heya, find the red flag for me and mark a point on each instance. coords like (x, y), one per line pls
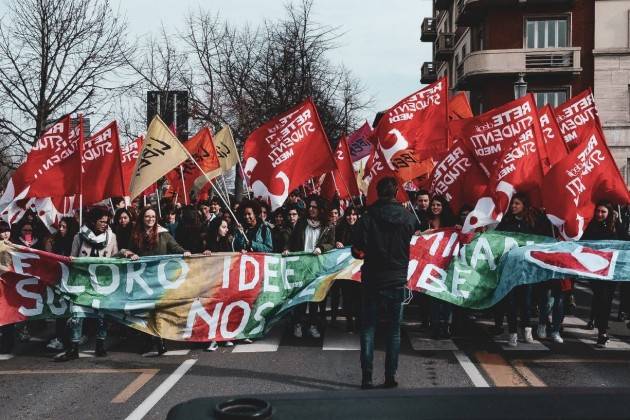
(418, 122)
(102, 167)
(458, 178)
(53, 166)
(202, 149)
(358, 142)
(486, 134)
(128, 155)
(519, 168)
(574, 185)
(574, 116)
(342, 179)
(555, 148)
(286, 151)
(459, 108)
(375, 170)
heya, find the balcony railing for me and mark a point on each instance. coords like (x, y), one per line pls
(496, 62)
(428, 73)
(429, 30)
(444, 46)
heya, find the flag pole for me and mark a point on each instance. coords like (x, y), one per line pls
(81, 169)
(211, 183)
(414, 212)
(240, 163)
(227, 193)
(181, 175)
(175, 199)
(157, 194)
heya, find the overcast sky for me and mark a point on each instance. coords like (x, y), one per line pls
(380, 40)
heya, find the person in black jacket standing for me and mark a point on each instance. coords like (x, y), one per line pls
(381, 238)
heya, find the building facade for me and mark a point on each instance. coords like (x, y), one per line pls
(558, 48)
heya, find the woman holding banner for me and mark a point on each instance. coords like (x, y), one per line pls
(255, 235)
(312, 234)
(149, 239)
(95, 239)
(602, 227)
(61, 244)
(520, 219)
(440, 216)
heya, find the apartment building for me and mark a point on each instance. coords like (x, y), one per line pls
(496, 50)
(612, 76)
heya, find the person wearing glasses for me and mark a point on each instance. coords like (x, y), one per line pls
(95, 239)
(315, 235)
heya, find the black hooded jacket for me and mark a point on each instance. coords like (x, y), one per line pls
(381, 237)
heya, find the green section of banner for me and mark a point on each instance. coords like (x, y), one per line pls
(471, 278)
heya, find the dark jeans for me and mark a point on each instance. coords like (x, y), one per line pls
(552, 301)
(519, 298)
(76, 328)
(7, 340)
(370, 301)
(603, 292)
(316, 311)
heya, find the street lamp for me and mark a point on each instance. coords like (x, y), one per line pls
(520, 87)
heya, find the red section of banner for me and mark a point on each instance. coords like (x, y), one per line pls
(128, 155)
(286, 151)
(574, 186)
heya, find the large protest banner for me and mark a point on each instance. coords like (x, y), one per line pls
(232, 296)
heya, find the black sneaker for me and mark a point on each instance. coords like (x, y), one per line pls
(390, 382)
(602, 341)
(590, 325)
(366, 381)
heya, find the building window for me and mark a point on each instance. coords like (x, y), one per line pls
(551, 97)
(547, 33)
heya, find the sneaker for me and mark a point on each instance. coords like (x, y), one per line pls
(297, 331)
(527, 335)
(541, 331)
(229, 344)
(555, 337)
(513, 340)
(246, 341)
(214, 346)
(314, 332)
(54, 344)
(602, 341)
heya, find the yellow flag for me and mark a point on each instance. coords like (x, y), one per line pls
(227, 153)
(161, 152)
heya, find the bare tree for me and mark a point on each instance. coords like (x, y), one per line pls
(246, 76)
(56, 57)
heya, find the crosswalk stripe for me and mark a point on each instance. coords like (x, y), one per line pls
(6, 356)
(334, 339)
(613, 344)
(182, 352)
(270, 343)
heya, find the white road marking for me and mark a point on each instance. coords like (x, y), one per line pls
(471, 370)
(335, 339)
(6, 356)
(269, 343)
(159, 392)
(154, 353)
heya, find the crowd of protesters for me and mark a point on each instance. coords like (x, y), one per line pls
(307, 223)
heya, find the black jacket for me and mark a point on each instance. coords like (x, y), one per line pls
(382, 238)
